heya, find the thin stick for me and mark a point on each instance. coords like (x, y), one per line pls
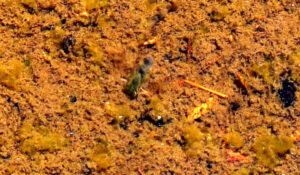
(150, 42)
(140, 171)
(211, 63)
(204, 88)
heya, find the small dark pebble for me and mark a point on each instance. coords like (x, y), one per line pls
(158, 123)
(234, 106)
(29, 9)
(173, 7)
(124, 125)
(136, 134)
(157, 18)
(198, 120)
(67, 43)
(16, 105)
(181, 142)
(5, 156)
(209, 164)
(86, 170)
(73, 99)
(171, 172)
(287, 94)
(148, 62)
(63, 21)
(272, 129)
(113, 122)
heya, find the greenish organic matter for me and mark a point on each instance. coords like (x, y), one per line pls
(138, 77)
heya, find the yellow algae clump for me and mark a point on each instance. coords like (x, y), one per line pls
(10, 74)
(193, 138)
(234, 139)
(57, 35)
(264, 71)
(152, 4)
(101, 155)
(295, 57)
(105, 21)
(95, 52)
(268, 147)
(34, 4)
(242, 171)
(219, 13)
(157, 107)
(295, 60)
(95, 4)
(37, 137)
(119, 112)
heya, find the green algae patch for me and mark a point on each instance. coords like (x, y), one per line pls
(36, 137)
(102, 155)
(234, 139)
(269, 147)
(194, 139)
(138, 77)
(10, 74)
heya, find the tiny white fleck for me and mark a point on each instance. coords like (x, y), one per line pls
(159, 117)
(120, 117)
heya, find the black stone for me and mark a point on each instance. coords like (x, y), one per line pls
(287, 94)
(136, 134)
(73, 99)
(209, 164)
(235, 106)
(67, 43)
(158, 123)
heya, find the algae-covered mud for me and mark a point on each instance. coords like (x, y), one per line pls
(150, 87)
